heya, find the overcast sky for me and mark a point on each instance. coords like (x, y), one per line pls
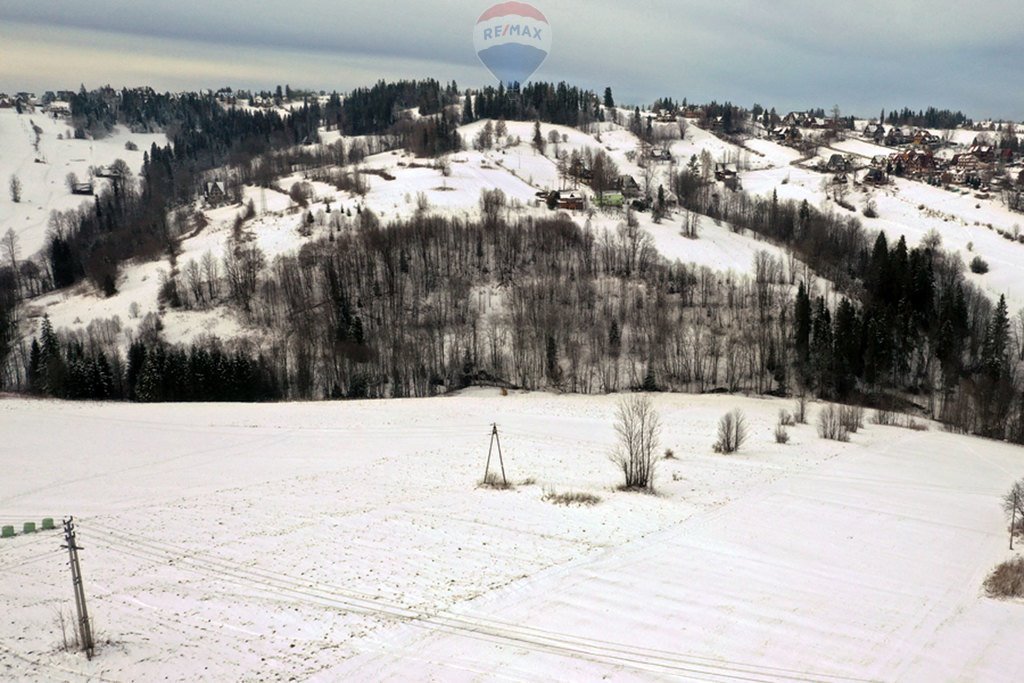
(790, 54)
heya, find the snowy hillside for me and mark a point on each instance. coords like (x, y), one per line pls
(968, 225)
(349, 541)
(399, 185)
(43, 172)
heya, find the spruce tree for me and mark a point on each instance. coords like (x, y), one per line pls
(802, 324)
(993, 352)
(847, 348)
(821, 347)
(54, 371)
(35, 379)
(609, 101)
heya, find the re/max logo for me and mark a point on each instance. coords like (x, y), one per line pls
(512, 30)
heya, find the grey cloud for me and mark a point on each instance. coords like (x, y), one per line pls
(784, 53)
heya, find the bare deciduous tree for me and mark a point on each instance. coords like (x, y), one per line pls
(830, 424)
(732, 432)
(1013, 504)
(211, 274)
(242, 266)
(638, 426)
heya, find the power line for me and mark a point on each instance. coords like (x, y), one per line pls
(476, 627)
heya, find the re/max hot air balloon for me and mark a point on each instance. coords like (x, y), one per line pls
(512, 39)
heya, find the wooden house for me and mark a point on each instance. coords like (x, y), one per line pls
(628, 186)
(875, 132)
(985, 153)
(913, 162)
(665, 116)
(569, 200)
(215, 193)
(837, 163)
(58, 108)
(876, 176)
(924, 138)
(661, 154)
(727, 175)
(894, 137)
(787, 134)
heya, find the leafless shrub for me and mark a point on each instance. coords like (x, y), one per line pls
(852, 418)
(781, 435)
(891, 418)
(830, 424)
(885, 417)
(638, 425)
(345, 181)
(572, 498)
(670, 454)
(914, 425)
(800, 413)
(732, 432)
(64, 622)
(785, 418)
(1007, 580)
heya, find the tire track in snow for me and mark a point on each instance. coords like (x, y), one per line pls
(490, 630)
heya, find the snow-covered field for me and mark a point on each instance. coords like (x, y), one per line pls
(349, 541)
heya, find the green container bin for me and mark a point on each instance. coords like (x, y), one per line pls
(48, 524)
(30, 528)
(7, 532)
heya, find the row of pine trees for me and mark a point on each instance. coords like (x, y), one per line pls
(152, 372)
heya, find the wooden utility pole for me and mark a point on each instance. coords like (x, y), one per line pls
(84, 629)
(487, 469)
